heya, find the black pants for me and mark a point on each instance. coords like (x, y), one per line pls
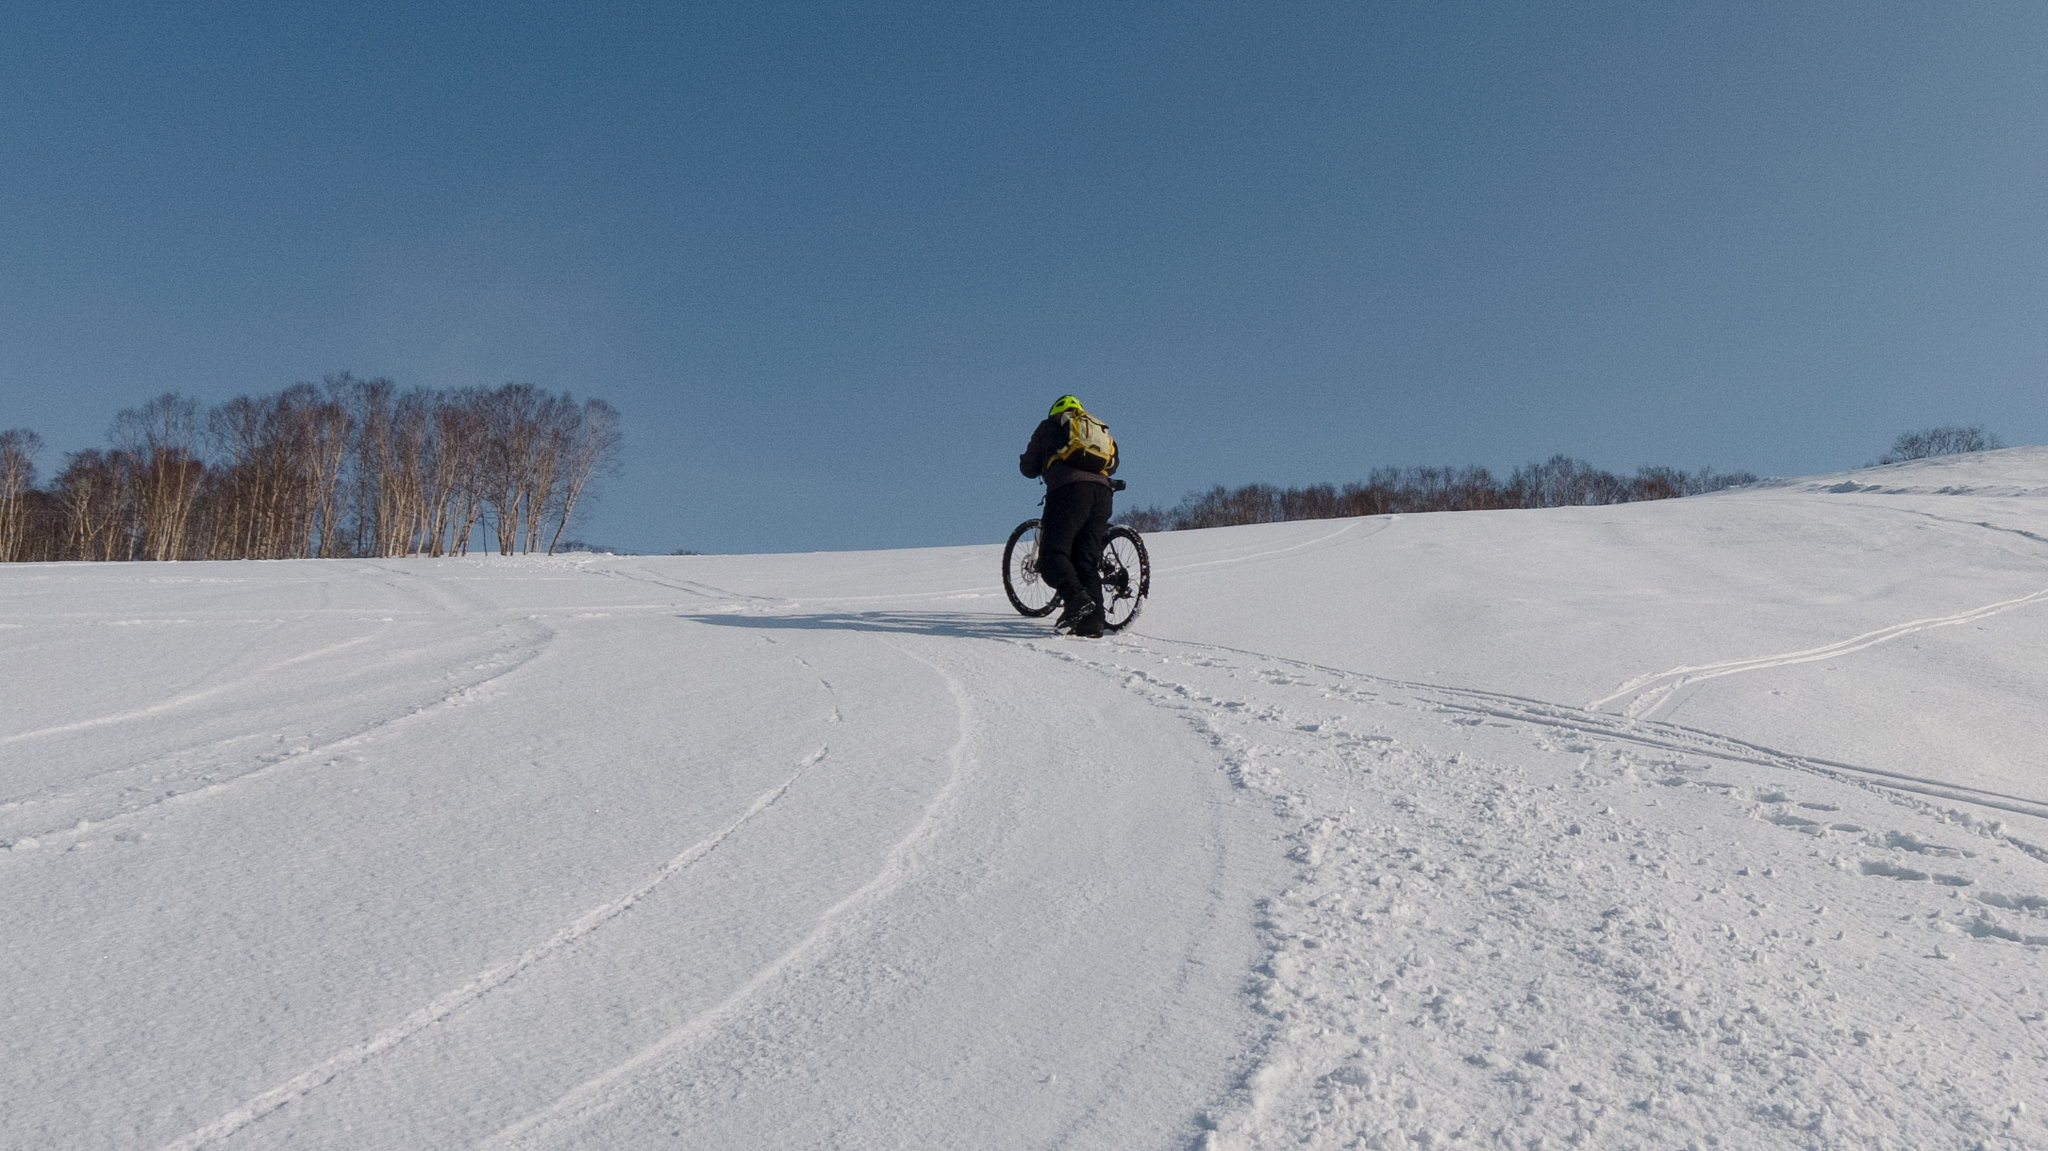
(1070, 539)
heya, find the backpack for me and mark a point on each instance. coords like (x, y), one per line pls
(1089, 445)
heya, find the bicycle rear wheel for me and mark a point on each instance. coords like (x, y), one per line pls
(1028, 591)
(1126, 578)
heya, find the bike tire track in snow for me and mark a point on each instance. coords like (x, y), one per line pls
(449, 1003)
(1646, 694)
(1380, 524)
(213, 787)
(604, 1090)
(1675, 737)
(1651, 733)
(187, 699)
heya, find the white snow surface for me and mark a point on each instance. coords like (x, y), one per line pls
(1717, 822)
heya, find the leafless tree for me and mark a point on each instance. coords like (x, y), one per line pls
(93, 491)
(1942, 441)
(18, 448)
(320, 433)
(394, 441)
(250, 489)
(556, 428)
(459, 471)
(409, 463)
(347, 467)
(158, 439)
(540, 453)
(591, 451)
(280, 494)
(1560, 481)
(512, 422)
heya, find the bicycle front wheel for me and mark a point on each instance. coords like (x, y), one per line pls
(1126, 578)
(1028, 591)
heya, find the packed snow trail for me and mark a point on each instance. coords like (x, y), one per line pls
(766, 851)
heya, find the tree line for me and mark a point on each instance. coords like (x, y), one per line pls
(1561, 481)
(347, 467)
(1943, 441)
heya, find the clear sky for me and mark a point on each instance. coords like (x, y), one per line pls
(832, 261)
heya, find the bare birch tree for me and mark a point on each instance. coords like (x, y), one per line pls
(164, 472)
(92, 492)
(512, 415)
(459, 471)
(18, 448)
(592, 450)
(348, 467)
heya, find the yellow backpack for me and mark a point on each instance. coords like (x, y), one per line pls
(1088, 442)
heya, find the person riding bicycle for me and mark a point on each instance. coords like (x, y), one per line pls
(1075, 455)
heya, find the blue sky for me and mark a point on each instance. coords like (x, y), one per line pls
(833, 261)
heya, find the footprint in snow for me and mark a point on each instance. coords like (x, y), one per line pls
(2015, 902)
(1912, 875)
(1906, 842)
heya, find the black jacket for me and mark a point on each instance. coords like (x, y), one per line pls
(1036, 460)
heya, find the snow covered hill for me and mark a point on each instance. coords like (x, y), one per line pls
(1709, 822)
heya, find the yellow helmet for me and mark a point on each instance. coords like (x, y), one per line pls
(1065, 404)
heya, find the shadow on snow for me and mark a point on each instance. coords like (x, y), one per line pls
(960, 624)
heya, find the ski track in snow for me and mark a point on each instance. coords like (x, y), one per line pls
(447, 1004)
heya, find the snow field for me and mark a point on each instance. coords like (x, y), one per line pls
(1716, 822)
(1527, 933)
(628, 868)
(1053, 958)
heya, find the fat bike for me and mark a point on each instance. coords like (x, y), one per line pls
(1126, 576)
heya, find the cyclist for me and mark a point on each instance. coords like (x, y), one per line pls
(1075, 455)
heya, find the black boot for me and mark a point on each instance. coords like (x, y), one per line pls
(1083, 619)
